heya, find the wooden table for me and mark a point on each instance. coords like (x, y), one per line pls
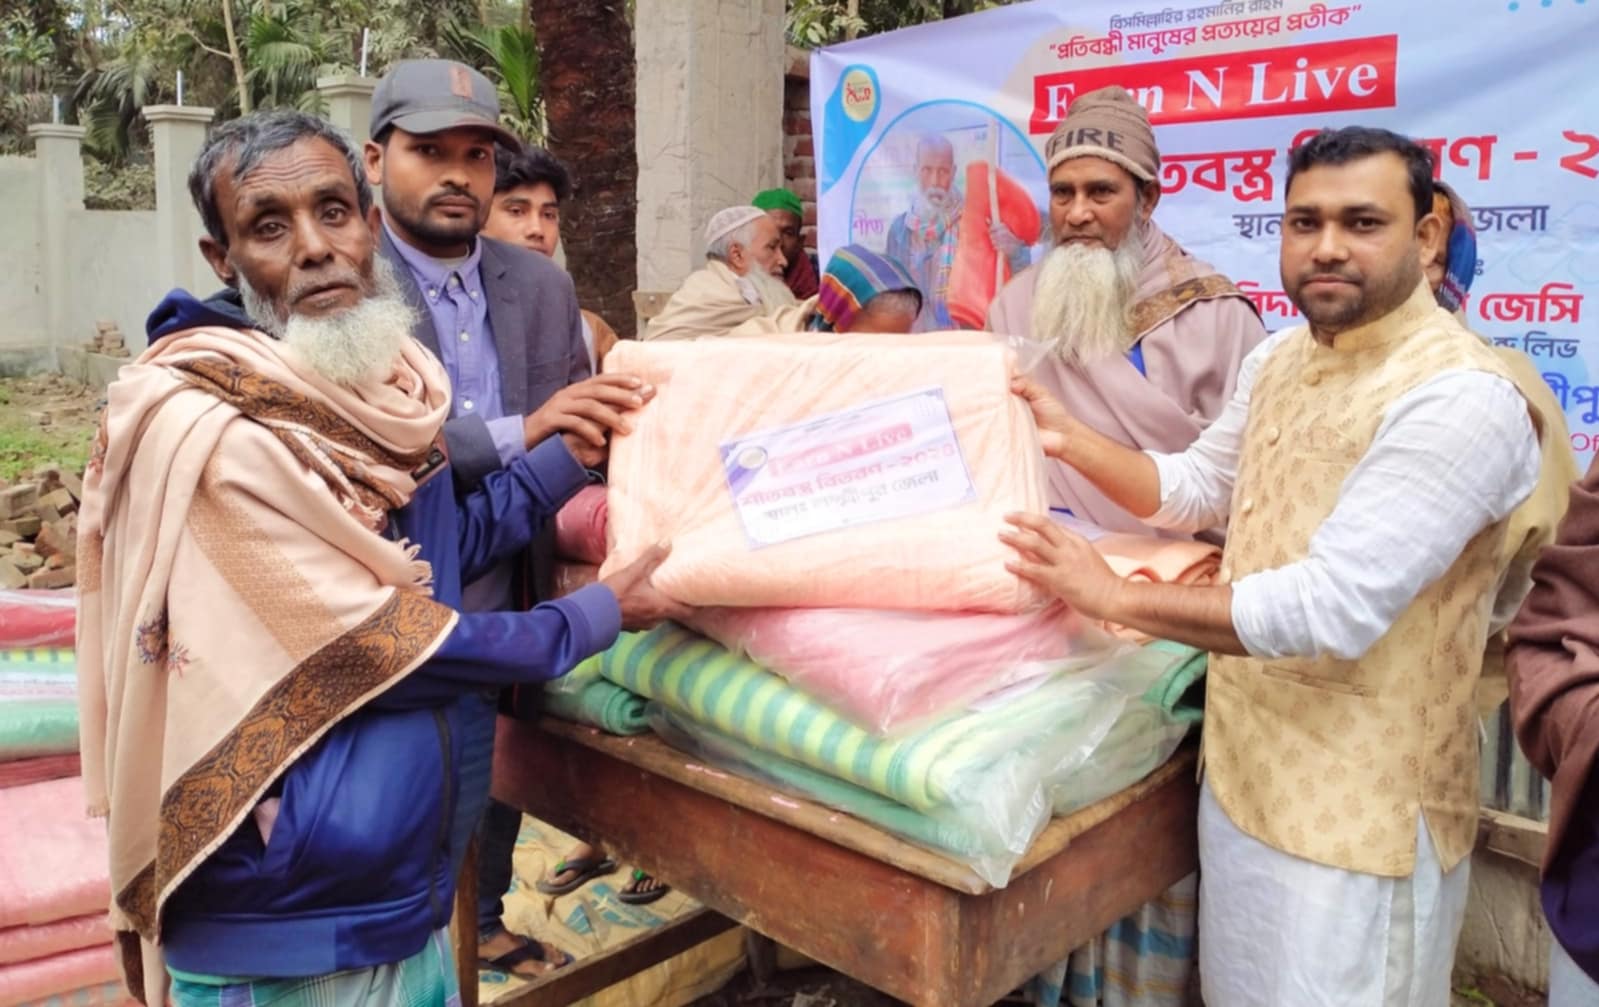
(906, 921)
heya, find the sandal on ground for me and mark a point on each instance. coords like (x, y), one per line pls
(529, 951)
(583, 869)
(631, 894)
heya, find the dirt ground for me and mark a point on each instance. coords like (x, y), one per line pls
(45, 420)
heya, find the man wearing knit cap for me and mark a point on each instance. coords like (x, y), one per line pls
(742, 280)
(786, 210)
(1146, 340)
(925, 239)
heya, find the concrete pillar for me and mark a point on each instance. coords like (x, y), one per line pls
(710, 113)
(57, 151)
(177, 132)
(349, 98)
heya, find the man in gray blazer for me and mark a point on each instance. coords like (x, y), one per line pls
(505, 324)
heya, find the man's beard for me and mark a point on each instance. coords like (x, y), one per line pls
(1083, 300)
(355, 346)
(935, 204)
(1372, 297)
(770, 292)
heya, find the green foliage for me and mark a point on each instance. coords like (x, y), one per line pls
(815, 23)
(108, 187)
(509, 56)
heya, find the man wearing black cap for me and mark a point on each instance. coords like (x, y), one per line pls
(505, 323)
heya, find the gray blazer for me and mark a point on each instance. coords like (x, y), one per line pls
(538, 338)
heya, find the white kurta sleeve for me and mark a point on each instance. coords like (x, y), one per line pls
(1451, 457)
(1196, 485)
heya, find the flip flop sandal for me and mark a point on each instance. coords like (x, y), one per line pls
(636, 897)
(585, 868)
(530, 951)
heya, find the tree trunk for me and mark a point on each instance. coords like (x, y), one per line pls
(239, 78)
(586, 75)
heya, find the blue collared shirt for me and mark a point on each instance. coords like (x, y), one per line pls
(459, 308)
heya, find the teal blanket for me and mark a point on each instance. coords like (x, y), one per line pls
(583, 697)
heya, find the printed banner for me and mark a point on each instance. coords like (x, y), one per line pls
(1502, 91)
(876, 462)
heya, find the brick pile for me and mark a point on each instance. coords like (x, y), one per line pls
(107, 340)
(39, 529)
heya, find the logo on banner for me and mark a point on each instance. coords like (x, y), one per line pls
(860, 95)
(847, 120)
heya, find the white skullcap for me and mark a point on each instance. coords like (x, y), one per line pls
(725, 222)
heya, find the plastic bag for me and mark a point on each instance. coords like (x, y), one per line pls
(889, 671)
(870, 471)
(38, 618)
(1160, 681)
(984, 770)
(583, 696)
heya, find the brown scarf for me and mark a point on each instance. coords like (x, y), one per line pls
(1553, 659)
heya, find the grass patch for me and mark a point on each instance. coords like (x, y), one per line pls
(25, 447)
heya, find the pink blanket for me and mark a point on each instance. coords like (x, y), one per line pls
(37, 618)
(804, 471)
(891, 670)
(580, 527)
(25, 982)
(1163, 561)
(36, 940)
(54, 863)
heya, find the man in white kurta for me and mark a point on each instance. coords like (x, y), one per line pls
(1366, 464)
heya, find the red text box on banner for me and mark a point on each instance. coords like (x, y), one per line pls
(1343, 76)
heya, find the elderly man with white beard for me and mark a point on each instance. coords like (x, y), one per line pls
(925, 239)
(274, 676)
(741, 282)
(1145, 340)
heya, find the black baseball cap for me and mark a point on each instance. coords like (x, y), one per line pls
(432, 95)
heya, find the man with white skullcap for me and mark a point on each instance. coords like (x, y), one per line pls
(742, 280)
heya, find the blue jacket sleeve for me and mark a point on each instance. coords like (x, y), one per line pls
(503, 515)
(490, 650)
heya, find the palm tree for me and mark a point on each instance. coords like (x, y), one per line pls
(587, 79)
(508, 54)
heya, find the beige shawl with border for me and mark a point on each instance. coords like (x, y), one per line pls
(237, 596)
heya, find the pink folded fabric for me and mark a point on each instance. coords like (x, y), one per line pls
(888, 671)
(794, 472)
(1162, 560)
(38, 940)
(25, 982)
(54, 863)
(22, 772)
(580, 527)
(1159, 560)
(37, 618)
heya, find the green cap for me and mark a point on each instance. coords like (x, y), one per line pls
(779, 199)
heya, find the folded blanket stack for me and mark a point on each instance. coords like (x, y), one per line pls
(55, 941)
(856, 636)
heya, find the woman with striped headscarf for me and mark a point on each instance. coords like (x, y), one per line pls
(863, 291)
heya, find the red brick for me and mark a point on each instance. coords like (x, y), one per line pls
(804, 147)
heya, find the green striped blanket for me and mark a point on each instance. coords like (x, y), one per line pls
(1009, 748)
(584, 697)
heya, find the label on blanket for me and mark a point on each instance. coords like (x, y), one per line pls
(879, 461)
